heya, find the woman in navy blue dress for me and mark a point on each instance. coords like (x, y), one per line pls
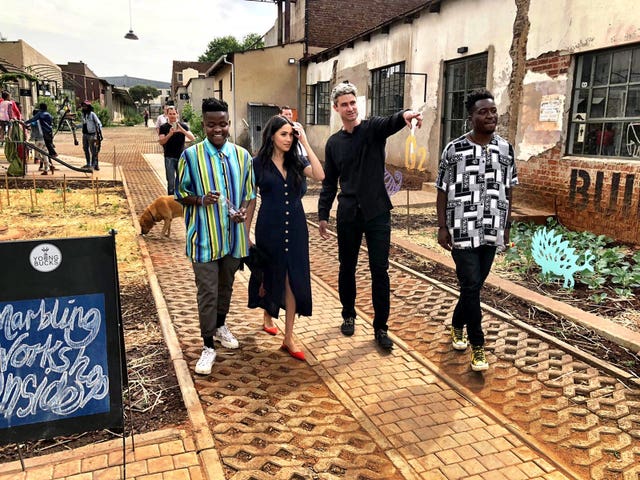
(281, 228)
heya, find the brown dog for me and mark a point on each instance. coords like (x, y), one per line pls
(163, 208)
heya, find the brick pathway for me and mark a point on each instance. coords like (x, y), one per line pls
(352, 411)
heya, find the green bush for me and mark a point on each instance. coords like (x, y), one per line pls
(132, 117)
(194, 120)
(103, 114)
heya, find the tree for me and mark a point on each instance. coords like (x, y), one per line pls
(143, 93)
(223, 45)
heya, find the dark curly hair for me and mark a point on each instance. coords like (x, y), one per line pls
(291, 161)
(214, 105)
(474, 96)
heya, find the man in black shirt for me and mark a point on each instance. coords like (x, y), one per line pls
(355, 157)
(172, 136)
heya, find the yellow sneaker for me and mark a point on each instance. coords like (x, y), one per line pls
(478, 359)
(458, 339)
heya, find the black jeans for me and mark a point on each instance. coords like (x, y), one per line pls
(377, 232)
(472, 267)
(48, 142)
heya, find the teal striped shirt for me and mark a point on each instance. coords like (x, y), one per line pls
(203, 168)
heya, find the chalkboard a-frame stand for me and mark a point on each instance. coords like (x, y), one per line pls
(62, 358)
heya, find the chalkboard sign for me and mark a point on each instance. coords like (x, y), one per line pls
(61, 347)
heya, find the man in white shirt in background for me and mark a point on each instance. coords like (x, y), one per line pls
(287, 112)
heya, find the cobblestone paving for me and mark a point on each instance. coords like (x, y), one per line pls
(354, 412)
(580, 415)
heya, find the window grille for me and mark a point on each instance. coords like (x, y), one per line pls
(605, 112)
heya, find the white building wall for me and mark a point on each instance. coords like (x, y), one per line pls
(425, 45)
(569, 29)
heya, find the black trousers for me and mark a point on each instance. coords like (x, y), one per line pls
(472, 268)
(377, 233)
(48, 142)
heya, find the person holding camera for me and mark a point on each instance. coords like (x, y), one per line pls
(172, 136)
(281, 231)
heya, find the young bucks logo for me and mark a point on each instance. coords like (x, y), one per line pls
(45, 257)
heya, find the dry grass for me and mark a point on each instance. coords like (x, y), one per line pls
(51, 213)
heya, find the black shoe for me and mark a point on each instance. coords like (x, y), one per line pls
(383, 340)
(96, 167)
(348, 326)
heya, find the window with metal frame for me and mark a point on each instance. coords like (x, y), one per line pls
(460, 78)
(318, 105)
(387, 90)
(605, 112)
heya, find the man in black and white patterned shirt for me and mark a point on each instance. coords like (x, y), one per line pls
(476, 174)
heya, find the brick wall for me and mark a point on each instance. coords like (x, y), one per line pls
(601, 197)
(598, 195)
(330, 22)
(551, 63)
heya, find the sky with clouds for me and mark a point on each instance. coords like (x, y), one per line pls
(93, 31)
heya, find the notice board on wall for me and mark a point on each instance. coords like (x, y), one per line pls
(61, 340)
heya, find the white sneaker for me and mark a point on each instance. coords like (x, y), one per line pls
(225, 337)
(203, 367)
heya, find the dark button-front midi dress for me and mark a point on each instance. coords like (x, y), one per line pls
(281, 233)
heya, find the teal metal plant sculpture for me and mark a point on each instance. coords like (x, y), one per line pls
(555, 256)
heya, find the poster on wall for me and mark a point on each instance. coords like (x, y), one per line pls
(550, 108)
(61, 351)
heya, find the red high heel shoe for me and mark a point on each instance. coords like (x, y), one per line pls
(270, 330)
(297, 355)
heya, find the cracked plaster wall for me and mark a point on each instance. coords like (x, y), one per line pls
(425, 44)
(597, 194)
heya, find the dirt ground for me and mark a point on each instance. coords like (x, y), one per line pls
(152, 400)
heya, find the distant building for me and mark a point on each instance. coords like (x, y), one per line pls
(84, 83)
(323, 23)
(181, 73)
(155, 105)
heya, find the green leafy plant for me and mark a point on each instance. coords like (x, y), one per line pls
(194, 120)
(103, 113)
(132, 117)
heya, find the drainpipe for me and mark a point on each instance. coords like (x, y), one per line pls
(233, 94)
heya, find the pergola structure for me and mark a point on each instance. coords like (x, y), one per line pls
(49, 79)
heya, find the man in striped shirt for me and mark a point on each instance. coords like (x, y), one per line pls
(215, 185)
